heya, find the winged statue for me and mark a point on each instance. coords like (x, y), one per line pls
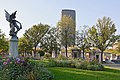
(15, 25)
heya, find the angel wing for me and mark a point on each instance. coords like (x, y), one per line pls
(7, 15)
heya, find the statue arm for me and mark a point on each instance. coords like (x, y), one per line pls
(19, 23)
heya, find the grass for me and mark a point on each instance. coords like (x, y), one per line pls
(61, 73)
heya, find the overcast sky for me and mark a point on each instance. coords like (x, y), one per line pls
(30, 12)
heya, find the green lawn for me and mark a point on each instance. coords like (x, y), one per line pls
(61, 73)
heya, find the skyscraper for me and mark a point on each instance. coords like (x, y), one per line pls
(69, 12)
(72, 14)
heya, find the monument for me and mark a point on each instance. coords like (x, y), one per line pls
(15, 26)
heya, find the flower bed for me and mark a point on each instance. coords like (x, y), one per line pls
(23, 69)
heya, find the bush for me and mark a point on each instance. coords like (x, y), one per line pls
(23, 69)
(41, 53)
(61, 57)
(82, 65)
(52, 63)
(76, 63)
(41, 73)
(72, 65)
(93, 62)
(60, 63)
(47, 56)
(95, 67)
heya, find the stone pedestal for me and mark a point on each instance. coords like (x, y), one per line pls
(13, 49)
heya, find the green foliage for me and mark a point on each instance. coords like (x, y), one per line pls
(94, 62)
(47, 56)
(35, 34)
(82, 65)
(102, 34)
(41, 53)
(82, 39)
(61, 57)
(67, 31)
(63, 63)
(51, 41)
(24, 46)
(52, 63)
(117, 50)
(23, 69)
(4, 45)
(41, 73)
(93, 65)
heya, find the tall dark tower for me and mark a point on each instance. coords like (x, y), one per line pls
(72, 14)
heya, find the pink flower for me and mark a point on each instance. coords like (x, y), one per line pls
(8, 60)
(5, 63)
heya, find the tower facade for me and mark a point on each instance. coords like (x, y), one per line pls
(72, 14)
(69, 12)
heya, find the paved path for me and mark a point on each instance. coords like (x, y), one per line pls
(116, 66)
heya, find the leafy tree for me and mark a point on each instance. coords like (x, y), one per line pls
(35, 34)
(3, 43)
(67, 31)
(24, 46)
(117, 46)
(51, 41)
(82, 39)
(102, 34)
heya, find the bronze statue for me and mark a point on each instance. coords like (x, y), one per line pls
(15, 25)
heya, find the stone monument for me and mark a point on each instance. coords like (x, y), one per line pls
(15, 26)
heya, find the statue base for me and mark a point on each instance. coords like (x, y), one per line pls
(13, 49)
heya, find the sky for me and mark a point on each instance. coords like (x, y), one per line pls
(33, 12)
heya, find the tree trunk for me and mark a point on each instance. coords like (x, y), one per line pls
(101, 56)
(83, 54)
(66, 43)
(66, 50)
(35, 51)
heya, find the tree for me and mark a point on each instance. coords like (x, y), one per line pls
(3, 43)
(50, 42)
(35, 34)
(117, 46)
(102, 34)
(24, 46)
(82, 39)
(67, 31)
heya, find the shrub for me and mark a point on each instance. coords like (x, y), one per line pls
(63, 63)
(41, 73)
(52, 63)
(78, 65)
(47, 56)
(61, 57)
(95, 65)
(23, 69)
(72, 65)
(93, 62)
(98, 67)
(82, 65)
(41, 53)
